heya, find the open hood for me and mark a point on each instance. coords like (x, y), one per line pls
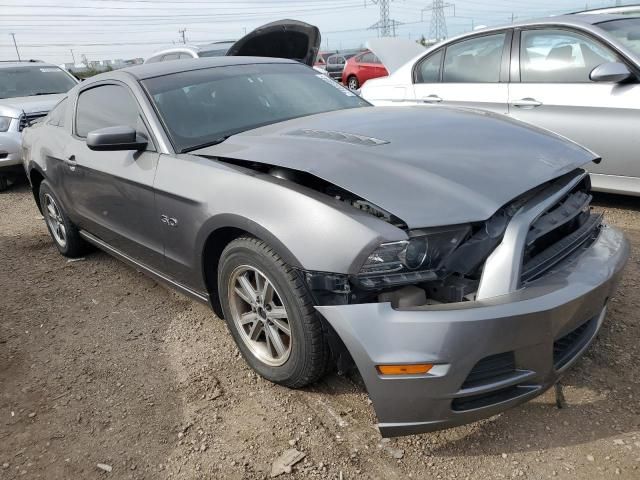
(429, 166)
(394, 52)
(282, 39)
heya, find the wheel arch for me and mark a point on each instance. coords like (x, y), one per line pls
(36, 177)
(217, 233)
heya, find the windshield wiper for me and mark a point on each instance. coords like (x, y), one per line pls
(45, 93)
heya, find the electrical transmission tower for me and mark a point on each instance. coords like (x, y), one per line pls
(438, 28)
(386, 26)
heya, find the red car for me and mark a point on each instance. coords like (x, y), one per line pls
(361, 68)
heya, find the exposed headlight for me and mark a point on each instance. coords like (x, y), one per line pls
(4, 123)
(417, 259)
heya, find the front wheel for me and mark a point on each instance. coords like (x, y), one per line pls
(352, 82)
(4, 183)
(63, 232)
(270, 314)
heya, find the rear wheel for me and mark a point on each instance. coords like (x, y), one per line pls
(64, 233)
(352, 82)
(270, 314)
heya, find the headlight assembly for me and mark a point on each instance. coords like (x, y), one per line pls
(415, 260)
(4, 123)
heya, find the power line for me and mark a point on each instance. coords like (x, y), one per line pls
(386, 26)
(438, 27)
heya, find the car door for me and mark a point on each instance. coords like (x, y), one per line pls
(112, 191)
(367, 68)
(473, 72)
(552, 89)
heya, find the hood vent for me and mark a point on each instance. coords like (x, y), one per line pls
(338, 137)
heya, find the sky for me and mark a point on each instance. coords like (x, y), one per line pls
(59, 30)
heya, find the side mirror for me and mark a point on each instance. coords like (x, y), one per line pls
(613, 72)
(116, 138)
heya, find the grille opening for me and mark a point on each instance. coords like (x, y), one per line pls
(560, 231)
(491, 369)
(492, 398)
(567, 347)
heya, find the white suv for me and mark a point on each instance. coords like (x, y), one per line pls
(28, 90)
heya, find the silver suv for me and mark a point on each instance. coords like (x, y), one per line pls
(28, 90)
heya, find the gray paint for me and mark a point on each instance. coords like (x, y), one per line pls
(428, 172)
(456, 337)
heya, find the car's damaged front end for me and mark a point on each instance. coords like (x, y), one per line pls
(492, 273)
(505, 311)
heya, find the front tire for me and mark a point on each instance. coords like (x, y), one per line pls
(270, 314)
(4, 183)
(63, 232)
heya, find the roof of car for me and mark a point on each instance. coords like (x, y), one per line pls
(25, 63)
(149, 70)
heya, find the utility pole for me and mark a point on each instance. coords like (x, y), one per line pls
(183, 36)
(13, 35)
(386, 26)
(73, 56)
(438, 27)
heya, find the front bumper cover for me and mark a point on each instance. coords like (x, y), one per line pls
(455, 337)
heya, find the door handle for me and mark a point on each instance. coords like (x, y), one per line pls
(71, 162)
(431, 99)
(526, 103)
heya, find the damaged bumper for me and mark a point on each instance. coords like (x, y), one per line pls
(488, 355)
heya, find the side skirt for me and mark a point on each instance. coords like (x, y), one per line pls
(203, 298)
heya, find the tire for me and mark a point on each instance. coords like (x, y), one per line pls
(353, 83)
(287, 302)
(63, 232)
(4, 183)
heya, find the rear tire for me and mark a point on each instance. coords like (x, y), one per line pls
(64, 233)
(271, 315)
(353, 83)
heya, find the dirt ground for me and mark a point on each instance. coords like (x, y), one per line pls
(99, 364)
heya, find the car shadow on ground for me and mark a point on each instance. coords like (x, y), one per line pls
(611, 200)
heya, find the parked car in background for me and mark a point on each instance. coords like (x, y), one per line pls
(335, 64)
(452, 253)
(28, 90)
(280, 39)
(321, 59)
(576, 75)
(360, 68)
(217, 49)
(628, 10)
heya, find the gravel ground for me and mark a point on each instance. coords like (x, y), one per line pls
(101, 365)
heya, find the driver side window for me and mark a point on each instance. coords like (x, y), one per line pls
(557, 56)
(107, 106)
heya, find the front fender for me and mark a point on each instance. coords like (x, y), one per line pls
(308, 229)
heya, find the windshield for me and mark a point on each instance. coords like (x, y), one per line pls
(202, 107)
(626, 31)
(219, 50)
(36, 80)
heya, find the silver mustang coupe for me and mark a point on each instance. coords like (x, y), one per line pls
(451, 255)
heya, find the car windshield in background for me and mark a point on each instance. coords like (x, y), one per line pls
(36, 80)
(217, 50)
(220, 52)
(626, 31)
(203, 107)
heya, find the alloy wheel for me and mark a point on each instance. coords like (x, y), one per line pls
(55, 221)
(260, 315)
(353, 83)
